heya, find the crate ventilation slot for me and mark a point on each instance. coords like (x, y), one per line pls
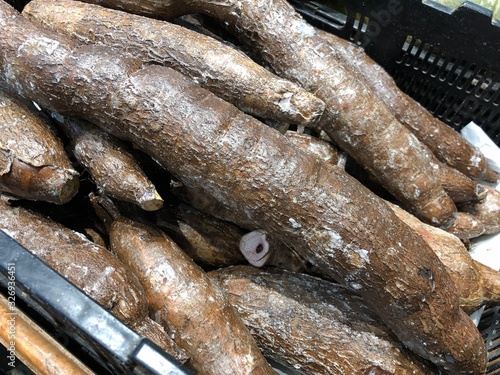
(454, 90)
(489, 326)
(359, 28)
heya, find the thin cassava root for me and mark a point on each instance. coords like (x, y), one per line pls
(113, 169)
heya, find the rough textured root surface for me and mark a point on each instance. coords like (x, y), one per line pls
(466, 226)
(460, 188)
(89, 266)
(156, 333)
(215, 66)
(447, 144)
(208, 144)
(205, 238)
(112, 167)
(295, 51)
(33, 163)
(314, 326)
(182, 296)
(487, 212)
(322, 149)
(468, 275)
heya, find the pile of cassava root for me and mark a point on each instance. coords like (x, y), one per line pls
(158, 163)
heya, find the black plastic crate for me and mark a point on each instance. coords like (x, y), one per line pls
(449, 61)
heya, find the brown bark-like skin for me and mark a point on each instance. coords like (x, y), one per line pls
(112, 167)
(90, 267)
(205, 238)
(219, 68)
(458, 186)
(250, 168)
(33, 163)
(447, 144)
(466, 226)
(183, 297)
(312, 325)
(487, 211)
(354, 117)
(319, 147)
(477, 284)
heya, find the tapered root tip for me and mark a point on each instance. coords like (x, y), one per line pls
(255, 248)
(151, 201)
(491, 176)
(469, 355)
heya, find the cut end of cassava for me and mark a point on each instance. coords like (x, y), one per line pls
(481, 193)
(53, 185)
(152, 201)
(440, 212)
(48, 183)
(68, 189)
(255, 248)
(302, 107)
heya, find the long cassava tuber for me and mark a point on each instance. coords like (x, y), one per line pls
(111, 166)
(447, 144)
(215, 66)
(354, 117)
(317, 209)
(183, 297)
(314, 326)
(33, 163)
(91, 267)
(161, 42)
